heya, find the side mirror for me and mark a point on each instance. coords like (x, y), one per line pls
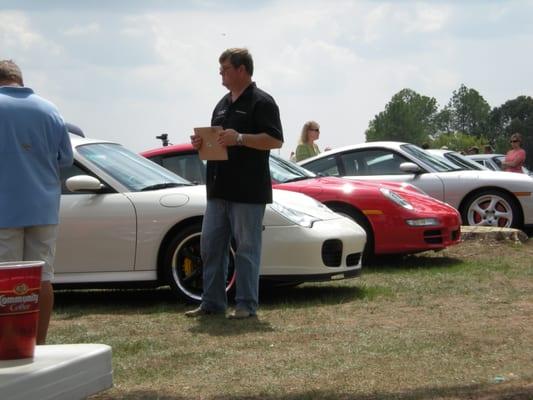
(83, 183)
(410, 168)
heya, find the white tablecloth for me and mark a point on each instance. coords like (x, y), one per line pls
(59, 372)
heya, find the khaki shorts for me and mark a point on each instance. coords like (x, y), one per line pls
(30, 243)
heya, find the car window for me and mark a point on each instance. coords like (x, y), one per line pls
(488, 164)
(282, 171)
(324, 166)
(483, 163)
(188, 166)
(372, 162)
(131, 170)
(438, 164)
(157, 159)
(498, 161)
(462, 161)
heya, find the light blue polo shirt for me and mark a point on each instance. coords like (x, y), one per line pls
(34, 143)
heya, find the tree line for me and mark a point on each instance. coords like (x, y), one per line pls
(466, 121)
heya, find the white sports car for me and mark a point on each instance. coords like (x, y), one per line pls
(493, 162)
(482, 197)
(125, 219)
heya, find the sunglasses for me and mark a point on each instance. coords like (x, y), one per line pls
(314, 129)
(514, 141)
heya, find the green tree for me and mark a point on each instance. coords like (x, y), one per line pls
(459, 141)
(408, 117)
(443, 122)
(468, 112)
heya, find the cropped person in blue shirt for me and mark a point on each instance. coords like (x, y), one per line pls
(34, 144)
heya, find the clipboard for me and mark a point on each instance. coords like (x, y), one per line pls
(211, 149)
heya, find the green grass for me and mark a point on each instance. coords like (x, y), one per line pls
(451, 325)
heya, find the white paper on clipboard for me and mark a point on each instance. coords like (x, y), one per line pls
(211, 149)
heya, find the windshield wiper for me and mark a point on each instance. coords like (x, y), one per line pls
(165, 185)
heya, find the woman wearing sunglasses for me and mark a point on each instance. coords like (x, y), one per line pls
(515, 158)
(306, 146)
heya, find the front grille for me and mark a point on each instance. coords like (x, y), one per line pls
(433, 236)
(332, 252)
(455, 234)
(353, 259)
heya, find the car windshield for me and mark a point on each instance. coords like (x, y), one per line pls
(462, 161)
(498, 160)
(283, 171)
(436, 163)
(131, 170)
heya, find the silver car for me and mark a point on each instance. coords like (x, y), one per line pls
(482, 197)
(493, 161)
(125, 219)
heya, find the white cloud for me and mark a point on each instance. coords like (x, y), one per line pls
(428, 18)
(375, 23)
(82, 30)
(16, 32)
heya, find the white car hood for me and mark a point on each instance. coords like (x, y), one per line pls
(196, 195)
(303, 203)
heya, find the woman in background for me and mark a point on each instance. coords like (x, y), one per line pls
(515, 158)
(307, 147)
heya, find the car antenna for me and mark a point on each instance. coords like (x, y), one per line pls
(164, 138)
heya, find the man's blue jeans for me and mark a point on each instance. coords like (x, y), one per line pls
(224, 220)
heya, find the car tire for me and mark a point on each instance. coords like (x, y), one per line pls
(491, 207)
(183, 265)
(362, 221)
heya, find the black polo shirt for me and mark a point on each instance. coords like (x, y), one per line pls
(245, 176)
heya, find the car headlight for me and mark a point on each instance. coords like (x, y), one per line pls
(298, 217)
(423, 222)
(396, 198)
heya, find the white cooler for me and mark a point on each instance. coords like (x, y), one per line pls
(60, 372)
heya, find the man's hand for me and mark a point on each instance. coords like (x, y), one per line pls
(228, 137)
(196, 142)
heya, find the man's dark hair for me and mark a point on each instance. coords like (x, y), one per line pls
(238, 57)
(10, 72)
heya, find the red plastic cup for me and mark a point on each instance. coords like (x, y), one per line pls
(20, 282)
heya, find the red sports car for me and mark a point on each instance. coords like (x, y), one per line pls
(397, 217)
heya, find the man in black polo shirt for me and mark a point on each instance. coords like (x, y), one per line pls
(237, 189)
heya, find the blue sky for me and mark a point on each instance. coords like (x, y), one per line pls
(130, 70)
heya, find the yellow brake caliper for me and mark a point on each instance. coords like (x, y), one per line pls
(187, 266)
